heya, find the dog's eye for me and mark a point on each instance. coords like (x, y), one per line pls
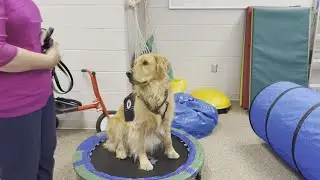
(145, 63)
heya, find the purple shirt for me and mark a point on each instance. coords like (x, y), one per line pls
(20, 26)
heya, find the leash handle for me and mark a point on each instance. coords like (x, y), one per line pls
(48, 41)
(47, 44)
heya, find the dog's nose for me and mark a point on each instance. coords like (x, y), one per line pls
(129, 73)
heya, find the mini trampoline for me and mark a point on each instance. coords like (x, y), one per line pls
(93, 162)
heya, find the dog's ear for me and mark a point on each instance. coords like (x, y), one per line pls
(163, 66)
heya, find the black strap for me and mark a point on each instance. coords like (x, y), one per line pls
(67, 73)
(157, 109)
(270, 109)
(165, 111)
(296, 132)
(47, 43)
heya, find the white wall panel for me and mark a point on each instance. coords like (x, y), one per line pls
(164, 16)
(199, 32)
(195, 40)
(84, 16)
(111, 61)
(80, 2)
(92, 34)
(201, 48)
(107, 81)
(91, 39)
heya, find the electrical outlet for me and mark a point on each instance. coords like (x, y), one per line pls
(214, 68)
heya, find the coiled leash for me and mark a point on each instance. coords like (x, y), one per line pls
(47, 43)
(63, 105)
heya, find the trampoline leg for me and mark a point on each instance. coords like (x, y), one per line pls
(198, 177)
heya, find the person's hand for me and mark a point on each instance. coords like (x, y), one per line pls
(54, 54)
(43, 35)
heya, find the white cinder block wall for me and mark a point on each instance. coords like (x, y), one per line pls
(100, 35)
(92, 34)
(193, 40)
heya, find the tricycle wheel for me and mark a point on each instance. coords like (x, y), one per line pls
(102, 120)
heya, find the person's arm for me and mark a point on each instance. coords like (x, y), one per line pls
(15, 59)
(24, 60)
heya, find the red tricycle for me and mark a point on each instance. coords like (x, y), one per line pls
(65, 105)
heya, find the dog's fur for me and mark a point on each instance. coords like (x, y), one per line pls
(148, 130)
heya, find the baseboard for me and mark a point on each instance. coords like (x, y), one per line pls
(77, 124)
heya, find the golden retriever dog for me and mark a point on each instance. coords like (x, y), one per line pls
(153, 109)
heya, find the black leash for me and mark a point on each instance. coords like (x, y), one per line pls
(47, 43)
(67, 73)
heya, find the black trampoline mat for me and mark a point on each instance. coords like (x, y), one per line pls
(105, 161)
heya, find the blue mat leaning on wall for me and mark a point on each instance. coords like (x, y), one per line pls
(280, 46)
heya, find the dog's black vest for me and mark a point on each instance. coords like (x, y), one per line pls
(129, 107)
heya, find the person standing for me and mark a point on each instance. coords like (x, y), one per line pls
(27, 108)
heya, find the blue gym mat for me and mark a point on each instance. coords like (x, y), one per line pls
(280, 47)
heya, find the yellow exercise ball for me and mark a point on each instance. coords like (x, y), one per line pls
(178, 85)
(214, 97)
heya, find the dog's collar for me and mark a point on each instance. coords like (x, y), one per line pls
(157, 109)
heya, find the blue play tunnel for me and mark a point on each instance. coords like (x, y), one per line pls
(287, 117)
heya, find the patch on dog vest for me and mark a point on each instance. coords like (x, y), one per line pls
(129, 107)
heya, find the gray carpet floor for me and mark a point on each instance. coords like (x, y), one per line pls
(232, 151)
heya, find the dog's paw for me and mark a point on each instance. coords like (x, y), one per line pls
(121, 154)
(173, 154)
(110, 146)
(146, 165)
